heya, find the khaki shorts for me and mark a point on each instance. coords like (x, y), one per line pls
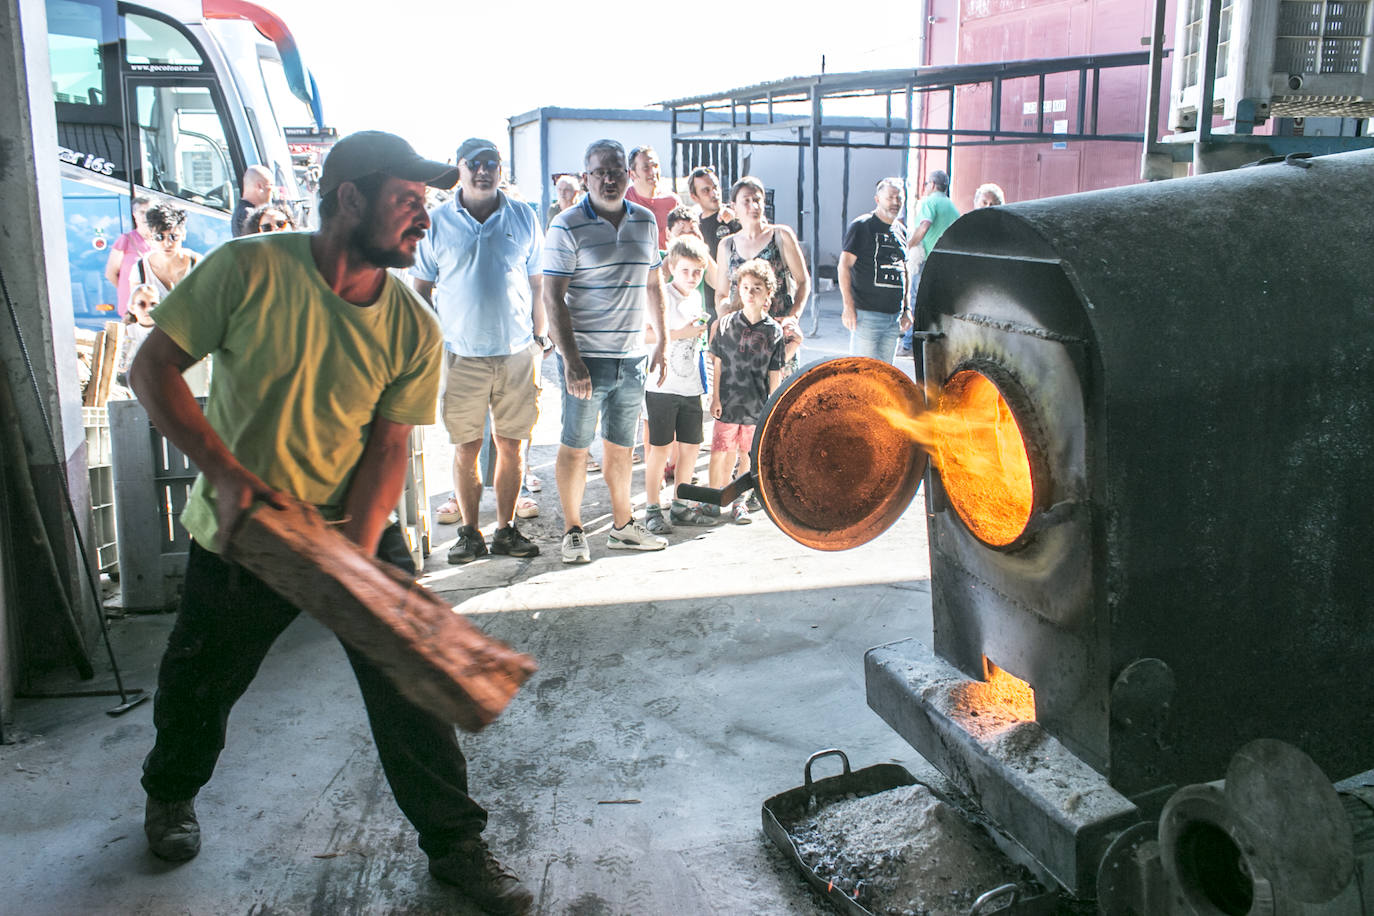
(508, 385)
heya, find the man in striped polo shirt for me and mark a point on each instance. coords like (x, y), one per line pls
(601, 275)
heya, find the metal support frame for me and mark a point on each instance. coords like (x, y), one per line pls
(815, 90)
(813, 243)
(785, 123)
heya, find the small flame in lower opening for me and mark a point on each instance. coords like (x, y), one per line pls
(974, 442)
(992, 706)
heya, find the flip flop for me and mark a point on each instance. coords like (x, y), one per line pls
(448, 512)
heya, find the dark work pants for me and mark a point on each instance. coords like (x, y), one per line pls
(228, 621)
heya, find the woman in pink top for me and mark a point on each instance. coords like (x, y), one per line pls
(126, 251)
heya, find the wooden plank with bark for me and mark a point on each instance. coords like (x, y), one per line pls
(433, 654)
(109, 356)
(88, 396)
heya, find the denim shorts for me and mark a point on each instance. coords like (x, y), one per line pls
(875, 334)
(617, 395)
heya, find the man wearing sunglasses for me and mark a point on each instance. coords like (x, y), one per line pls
(324, 362)
(479, 268)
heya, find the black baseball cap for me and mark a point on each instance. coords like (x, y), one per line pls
(474, 145)
(369, 152)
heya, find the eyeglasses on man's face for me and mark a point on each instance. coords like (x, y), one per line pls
(608, 174)
(273, 225)
(491, 165)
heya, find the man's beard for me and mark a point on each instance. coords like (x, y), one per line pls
(360, 240)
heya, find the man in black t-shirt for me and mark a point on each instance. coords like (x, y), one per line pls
(716, 222)
(872, 275)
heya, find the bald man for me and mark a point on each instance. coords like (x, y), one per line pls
(257, 190)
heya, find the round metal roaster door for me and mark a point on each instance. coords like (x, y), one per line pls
(833, 472)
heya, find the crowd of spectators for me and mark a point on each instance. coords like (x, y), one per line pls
(656, 302)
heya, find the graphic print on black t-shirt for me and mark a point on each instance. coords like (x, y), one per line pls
(889, 261)
(748, 352)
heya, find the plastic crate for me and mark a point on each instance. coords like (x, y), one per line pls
(100, 468)
(1289, 59)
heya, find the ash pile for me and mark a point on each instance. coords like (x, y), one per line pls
(904, 852)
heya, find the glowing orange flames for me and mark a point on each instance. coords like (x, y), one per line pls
(1000, 701)
(975, 444)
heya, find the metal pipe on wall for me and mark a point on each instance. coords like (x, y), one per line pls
(1154, 164)
(813, 246)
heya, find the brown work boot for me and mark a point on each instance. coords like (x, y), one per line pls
(470, 867)
(172, 829)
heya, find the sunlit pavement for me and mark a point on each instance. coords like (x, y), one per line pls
(677, 690)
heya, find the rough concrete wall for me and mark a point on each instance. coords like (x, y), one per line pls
(33, 259)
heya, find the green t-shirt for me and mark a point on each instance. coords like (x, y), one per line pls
(299, 373)
(940, 211)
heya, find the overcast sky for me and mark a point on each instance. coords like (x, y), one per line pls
(438, 72)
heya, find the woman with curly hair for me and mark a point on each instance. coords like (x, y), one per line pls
(269, 218)
(167, 263)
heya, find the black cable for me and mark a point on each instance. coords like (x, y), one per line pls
(66, 491)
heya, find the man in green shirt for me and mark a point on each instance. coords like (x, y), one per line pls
(934, 215)
(324, 362)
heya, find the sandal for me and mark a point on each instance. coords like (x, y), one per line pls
(525, 507)
(533, 483)
(448, 512)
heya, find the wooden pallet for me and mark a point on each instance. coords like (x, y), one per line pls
(430, 652)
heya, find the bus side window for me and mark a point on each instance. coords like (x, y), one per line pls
(182, 146)
(151, 43)
(76, 32)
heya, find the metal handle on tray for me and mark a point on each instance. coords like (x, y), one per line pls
(984, 903)
(829, 752)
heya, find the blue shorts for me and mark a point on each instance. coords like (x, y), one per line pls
(617, 394)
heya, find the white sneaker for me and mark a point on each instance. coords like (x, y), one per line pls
(634, 536)
(575, 548)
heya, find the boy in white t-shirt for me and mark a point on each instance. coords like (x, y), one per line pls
(674, 408)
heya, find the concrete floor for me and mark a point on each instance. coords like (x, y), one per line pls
(676, 691)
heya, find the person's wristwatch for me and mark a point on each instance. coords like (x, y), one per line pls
(545, 343)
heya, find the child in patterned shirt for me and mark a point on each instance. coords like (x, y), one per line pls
(748, 351)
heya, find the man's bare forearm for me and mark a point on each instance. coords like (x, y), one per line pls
(377, 483)
(538, 313)
(156, 378)
(559, 318)
(657, 299)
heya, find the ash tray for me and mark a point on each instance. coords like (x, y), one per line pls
(877, 841)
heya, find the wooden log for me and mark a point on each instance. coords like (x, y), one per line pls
(430, 652)
(88, 395)
(109, 355)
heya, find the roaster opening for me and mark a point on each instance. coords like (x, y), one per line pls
(1213, 870)
(982, 458)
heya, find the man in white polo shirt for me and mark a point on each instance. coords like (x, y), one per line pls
(601, 285)
(479, 268)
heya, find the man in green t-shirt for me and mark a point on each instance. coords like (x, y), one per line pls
(934, 215)
(323, 363)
